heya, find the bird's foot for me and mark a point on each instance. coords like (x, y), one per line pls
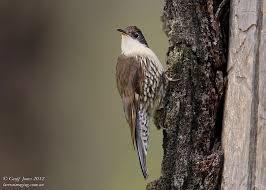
(158, 118)
(170, 78)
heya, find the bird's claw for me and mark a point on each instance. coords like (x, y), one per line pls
(171, 79)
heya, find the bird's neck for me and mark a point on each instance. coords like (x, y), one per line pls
(132, 47)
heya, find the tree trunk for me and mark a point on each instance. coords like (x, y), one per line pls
(244, 133)
(192, 115)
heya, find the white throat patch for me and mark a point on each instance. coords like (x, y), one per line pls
(132, 47)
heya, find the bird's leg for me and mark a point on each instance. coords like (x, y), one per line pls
(170, 79)
(159, 112)
(158, 118)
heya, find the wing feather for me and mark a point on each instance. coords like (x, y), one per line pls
(129, 77)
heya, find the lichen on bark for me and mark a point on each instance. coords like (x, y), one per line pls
(191, 116)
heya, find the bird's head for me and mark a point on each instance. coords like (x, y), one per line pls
(134, 33)
(133, 40)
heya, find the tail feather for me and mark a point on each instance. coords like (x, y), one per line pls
(142, 135)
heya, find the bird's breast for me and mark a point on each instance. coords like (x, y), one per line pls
(152, 80)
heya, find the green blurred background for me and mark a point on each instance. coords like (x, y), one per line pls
(61, 115)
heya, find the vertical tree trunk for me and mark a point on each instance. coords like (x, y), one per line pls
(192, 115)
(244, 133)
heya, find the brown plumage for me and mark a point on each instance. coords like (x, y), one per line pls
(139, 76)
(129, 77)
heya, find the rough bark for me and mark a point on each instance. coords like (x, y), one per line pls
(192, 115)
(244, 132)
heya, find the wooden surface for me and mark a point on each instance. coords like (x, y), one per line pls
(260, 172)
(244, 131)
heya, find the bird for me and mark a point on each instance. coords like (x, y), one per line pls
(140, 82)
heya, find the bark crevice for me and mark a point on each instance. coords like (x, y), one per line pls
(191, 119)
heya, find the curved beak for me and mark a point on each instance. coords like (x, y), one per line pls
(121, 30)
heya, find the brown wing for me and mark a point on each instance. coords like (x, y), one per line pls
(129, 77)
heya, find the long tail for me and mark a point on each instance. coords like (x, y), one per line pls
(142, 137)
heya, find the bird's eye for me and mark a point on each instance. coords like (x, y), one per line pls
(136, 35)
